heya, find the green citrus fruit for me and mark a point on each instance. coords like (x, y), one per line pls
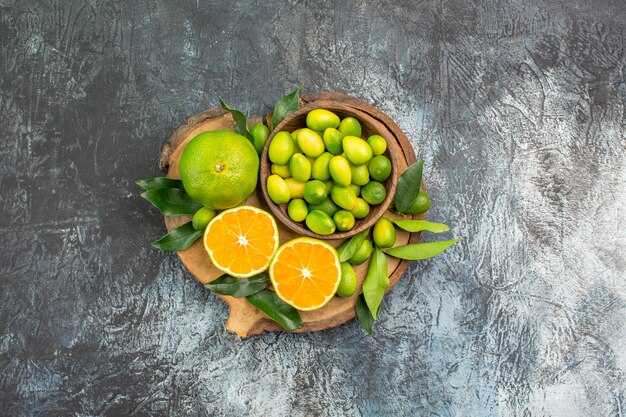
(378, 144)
(332, 140)
(296, 188)
(297, 210)
(384, 234)
(320, 223)
(344, 197)
(300, 167)
(294, 136)
(340, 170)
(202, 217)
(281, 148)
(219, 169)
(373, 192)
(360, 174)
(310, 142)
(347, 285)
(356, 189)
(380, 168)
(361, 209)
(327, 206)
(320, 119)
(315, 192)
(350, 127)
(277, 189)
(357, 150)
(259, 133)
(320, 170)
(280, 170)
(362, 254)
(421, 204)
(344, 220)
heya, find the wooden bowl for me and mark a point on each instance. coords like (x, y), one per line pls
(370, 126)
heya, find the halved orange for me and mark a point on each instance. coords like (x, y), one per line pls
(241, 241)
(305, 273)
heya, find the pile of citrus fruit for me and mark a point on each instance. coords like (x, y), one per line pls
(326, 173)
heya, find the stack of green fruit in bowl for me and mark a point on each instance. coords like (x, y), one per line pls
(329, 172)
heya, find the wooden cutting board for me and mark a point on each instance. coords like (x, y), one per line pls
(244, 319)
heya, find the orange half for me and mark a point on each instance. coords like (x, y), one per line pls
(241, 241)
(305, 273)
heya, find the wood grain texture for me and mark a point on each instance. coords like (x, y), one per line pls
(243, 318)
(517, 107)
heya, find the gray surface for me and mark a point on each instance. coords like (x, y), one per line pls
(517, 107)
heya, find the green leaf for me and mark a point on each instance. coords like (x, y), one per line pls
(285, 106)
(376, 282)
(409, 186)
(363, 314)
(172, 201)
(282, 313)
(179, 238)
(159, 182)
(419, 251)
(350, 247)
(241, 121)
(239, 287)
(419, 225)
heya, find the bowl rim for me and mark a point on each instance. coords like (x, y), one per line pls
(390, 183)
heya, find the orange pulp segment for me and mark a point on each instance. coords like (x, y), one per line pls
(305, 273)
(241, 241)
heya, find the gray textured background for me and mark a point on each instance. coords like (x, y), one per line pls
(517, 107)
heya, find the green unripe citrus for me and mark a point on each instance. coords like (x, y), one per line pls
(297, 210)
(310, 142)
(378, 144)
(315, 192)
(321, 119)
(347, 285)
(380, 168)
(332, 140)
(277, 189)
(339, 169)
(362, 254)
(384, 234)
(300, 167)
(350, 127)
(373, 192)
(259, 133)
(281, 148)
(320, 223)
(344, 197)
(344, 220)
(357, 150)
(202, 217)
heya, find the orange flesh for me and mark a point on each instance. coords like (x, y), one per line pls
(242, 241)
(297, 261)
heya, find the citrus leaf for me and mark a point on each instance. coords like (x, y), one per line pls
(420, 251)
(409, 186)
(179, 238)
(363, 314)
(376, 282)
(282, 313)
(350, 247)
(239, 287)
(172, 201)
(159, 182)
(285, 106)
(241, 121)
(419, 225)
